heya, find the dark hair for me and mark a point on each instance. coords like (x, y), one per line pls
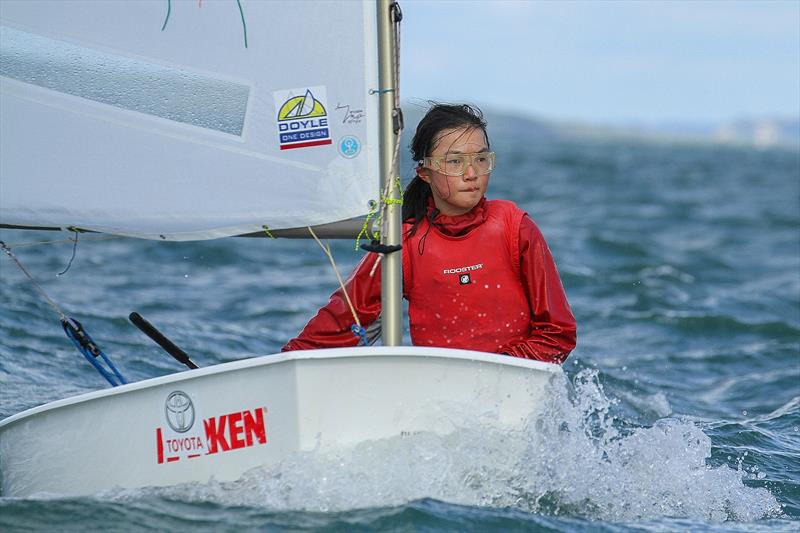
(438, 118)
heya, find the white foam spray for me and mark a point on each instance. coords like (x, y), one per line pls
(573, 460)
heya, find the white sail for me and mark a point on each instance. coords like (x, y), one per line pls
(187, 120)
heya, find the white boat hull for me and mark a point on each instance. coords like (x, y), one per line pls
(224, 420)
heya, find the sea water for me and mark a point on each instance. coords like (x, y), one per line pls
(679, 410)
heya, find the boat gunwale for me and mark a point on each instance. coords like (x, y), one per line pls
(298, 355)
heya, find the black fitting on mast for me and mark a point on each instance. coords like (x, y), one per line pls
(397, 120)
(378, 248)
(396, 15)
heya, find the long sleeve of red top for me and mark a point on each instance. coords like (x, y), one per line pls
(331, 327)
(553, 329)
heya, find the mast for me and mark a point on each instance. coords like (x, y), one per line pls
(390, 121)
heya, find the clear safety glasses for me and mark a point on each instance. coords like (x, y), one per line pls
(456, 164)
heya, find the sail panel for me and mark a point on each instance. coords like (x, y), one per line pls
(221, 123)
(124, 82)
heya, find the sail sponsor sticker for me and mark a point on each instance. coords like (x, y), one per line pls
(184, 434)
(302, 117)
(349, 146)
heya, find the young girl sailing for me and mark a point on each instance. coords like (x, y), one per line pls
(477, 273)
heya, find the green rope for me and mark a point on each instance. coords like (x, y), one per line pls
(169, 10)
(385, 200)
(373, 209)
(244, 24)
(269, 234)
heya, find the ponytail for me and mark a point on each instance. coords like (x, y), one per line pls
(415, 202)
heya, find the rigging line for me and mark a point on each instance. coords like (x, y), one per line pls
(244, 24)
(71, 259)
(375, 265)
(327, 250)
(387, 200)
(74, 330)
(55, 307)
(397, 17)
(62, 241)
(169, 10)
(90, 351)
(365, 227)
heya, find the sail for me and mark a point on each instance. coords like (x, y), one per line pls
(189, 119)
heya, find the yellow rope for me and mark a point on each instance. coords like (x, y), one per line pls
(385, 200)
(269, 234)
(327, 250)
(373, 209)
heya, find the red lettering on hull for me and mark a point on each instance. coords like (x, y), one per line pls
(254, 427)
(233, 431)
(159, 446)
(215, 434)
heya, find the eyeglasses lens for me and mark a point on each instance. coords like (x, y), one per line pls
(456, 164)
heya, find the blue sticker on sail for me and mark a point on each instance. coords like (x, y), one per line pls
(306, 135)
(349, 146)
(302, 118)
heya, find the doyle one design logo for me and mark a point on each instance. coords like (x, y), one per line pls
(179, 410)
(302, 118)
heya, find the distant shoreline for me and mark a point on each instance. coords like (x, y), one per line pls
(754, 132)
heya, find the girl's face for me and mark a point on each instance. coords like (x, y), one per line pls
(456, 195)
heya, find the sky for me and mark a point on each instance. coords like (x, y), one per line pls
(622, 62)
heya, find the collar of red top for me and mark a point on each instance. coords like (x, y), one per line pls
(457, 225)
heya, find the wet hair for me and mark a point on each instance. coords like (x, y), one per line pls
(439, 117)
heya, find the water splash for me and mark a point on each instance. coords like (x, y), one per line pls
(582, 461)
(575, 460)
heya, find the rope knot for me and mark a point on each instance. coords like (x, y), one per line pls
(361, 333)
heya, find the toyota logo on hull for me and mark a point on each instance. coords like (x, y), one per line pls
(180, 411)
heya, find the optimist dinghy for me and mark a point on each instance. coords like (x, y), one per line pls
(185, 121)
(224, 420)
